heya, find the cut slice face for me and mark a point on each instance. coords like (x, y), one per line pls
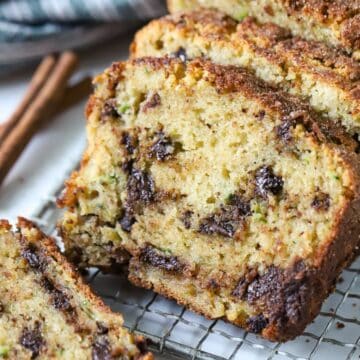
(335, 22)
(323, 76)
(211, 179)
(47, 312)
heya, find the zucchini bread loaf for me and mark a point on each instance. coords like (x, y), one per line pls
(335, 22)
(47, 312)
(325, 77)
(223, 192)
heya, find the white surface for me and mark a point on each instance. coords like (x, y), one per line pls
(56, 149)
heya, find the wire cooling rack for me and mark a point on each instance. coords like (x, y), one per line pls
(178, 333)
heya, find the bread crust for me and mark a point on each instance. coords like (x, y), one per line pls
(341, 18)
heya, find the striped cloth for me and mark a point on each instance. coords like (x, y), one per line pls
(29, 20)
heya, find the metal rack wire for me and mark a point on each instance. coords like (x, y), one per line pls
(177, 333)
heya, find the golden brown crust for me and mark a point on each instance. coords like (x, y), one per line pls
(325, 11)
(271, 41)
(342, 18)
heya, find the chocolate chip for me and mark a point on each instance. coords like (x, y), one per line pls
(153, 101)
(284, 292)
(256, 323)
(227, 219)
(321, 202)
(238, 205)
(289, 121)
(127, 166)
(163, 148)
(60, 301)
(2, 308)
(109, 110)
(169, 263)
(102, 329)
(241, 288)
(266, 181)
(140, 187)
(32, 340)
(130, 143)
(186, 218)
(283, 130)
(127, 221)
(180, 54)
(101, 349)
(214, 224)
(31, 255)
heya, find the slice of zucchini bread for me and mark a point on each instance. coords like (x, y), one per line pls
(325, 77)
(335, 22)
(47, 312)
(226, 193)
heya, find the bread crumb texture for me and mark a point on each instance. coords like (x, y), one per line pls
(47, 312)
(223, 192)
(325, 77)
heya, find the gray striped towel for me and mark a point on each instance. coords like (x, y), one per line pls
(30, 28)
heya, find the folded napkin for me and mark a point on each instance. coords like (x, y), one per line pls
(31, 28)
(22, 20)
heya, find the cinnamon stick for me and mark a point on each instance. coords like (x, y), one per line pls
(41, 108)
(40, 76)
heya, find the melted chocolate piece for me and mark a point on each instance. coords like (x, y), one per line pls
(2, 308)
(283, 130)
(140, 187)
(215, 224)
(32, 340)
(152, 102)
(129, 142)
(163, 148)
(127, 166)
(289, 121)
(109, 110)
(321, 202)
(169, 263)
(60, 301)
(127, 221)
(180, 54)
(266, 181)
(239, 205)
(243, 284)
(33, 258)
(101, 349)
(227, 220)
(186, 218)
(257, 323)
(102, 329)
(284, 293)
